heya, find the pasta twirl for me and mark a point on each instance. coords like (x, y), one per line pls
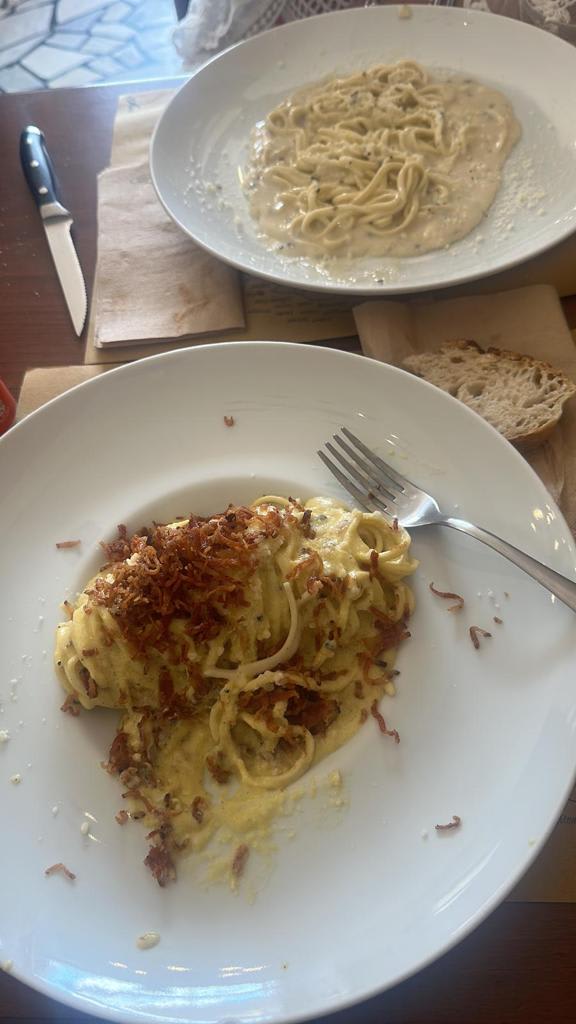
(241, 648)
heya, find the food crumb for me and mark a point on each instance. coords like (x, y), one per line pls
(60, 869)
(475, 633)
(67, 544)
(85, 828)
(229, 421)
(16, 778)
(148, 940)
(55, 810)
(455, 823)
(450, 596)
(497, 620)
(239, 862)
(4, 735)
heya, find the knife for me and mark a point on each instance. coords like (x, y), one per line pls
(57, 221)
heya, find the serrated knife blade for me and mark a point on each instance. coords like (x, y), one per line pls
(57, 222)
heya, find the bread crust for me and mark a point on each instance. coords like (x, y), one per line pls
(421, 366)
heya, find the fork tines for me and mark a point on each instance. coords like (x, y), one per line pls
(372, 482)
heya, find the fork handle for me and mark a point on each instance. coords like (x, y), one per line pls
(563, 588)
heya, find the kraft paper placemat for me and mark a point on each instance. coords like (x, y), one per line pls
(552, 878)
(155, 290)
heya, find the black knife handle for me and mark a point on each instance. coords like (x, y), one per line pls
(39, 172)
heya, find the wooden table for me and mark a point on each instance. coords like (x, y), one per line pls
(519, 967)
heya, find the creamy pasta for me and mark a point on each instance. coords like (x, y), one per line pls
(241, 648)
(391, 160)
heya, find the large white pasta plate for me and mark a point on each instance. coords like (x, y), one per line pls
(200, 143)
(357, 900)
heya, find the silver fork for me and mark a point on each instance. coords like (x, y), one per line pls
(378, 487)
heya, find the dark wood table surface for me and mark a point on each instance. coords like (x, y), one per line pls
(519, 967)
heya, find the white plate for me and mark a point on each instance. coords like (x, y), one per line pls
(353, 905)
(201, 139)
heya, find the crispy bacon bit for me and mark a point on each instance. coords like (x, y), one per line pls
(120, 756)
(119, 549)
(67, 544)
(122, 817)
(363, 716)
(199, 808)
(159, 861)
(358, 690)
(239, 862)
(455, 823)
(382, 723)
(475, 633)
(373, 568)
(194, 573)
(312, 562)
(449, 597)
(304, 707)
(305, 524)
(390, 633)
(172, 704)
(89, 684)
(229, 421)
(214, 765)
(89, 652)
(60, 869)
(71, 705)
(497, 620)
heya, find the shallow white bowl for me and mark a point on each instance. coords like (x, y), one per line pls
(201, 140)
(355, 902)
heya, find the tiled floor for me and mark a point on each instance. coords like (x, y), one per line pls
(52, 43)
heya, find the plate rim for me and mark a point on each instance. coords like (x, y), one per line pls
(326, 285)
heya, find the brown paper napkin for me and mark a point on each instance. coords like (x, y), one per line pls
(528, 320)
(152, 282)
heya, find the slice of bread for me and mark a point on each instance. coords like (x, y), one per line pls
(520, 396)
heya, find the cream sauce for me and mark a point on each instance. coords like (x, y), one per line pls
(479, 130)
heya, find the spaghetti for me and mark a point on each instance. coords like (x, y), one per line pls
(388, 160)
(242, 649)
